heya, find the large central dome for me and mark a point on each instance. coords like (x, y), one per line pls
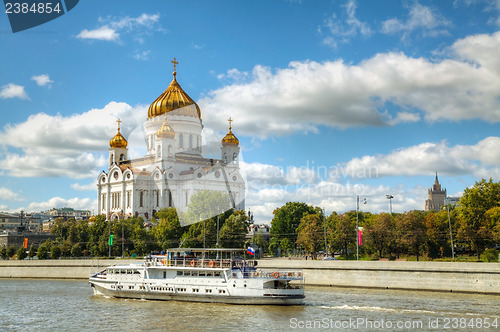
(171, 99)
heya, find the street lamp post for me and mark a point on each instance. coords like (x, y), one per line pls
(451, 234)
(357, 225)
(324, 228)
(109, 238)
(390, 197)
(123, 233)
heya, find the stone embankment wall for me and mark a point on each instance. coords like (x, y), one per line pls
(432, 276)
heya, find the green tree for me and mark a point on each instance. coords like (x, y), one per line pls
(411, 231)
(438, 240)
(44, 249)
(493, 221)
(98, 235)
(60, 229)
(77, 250)
(168, 232)
(3, 252)
(21, 253)
(233, 232)
(311, 233)
(140, 238)
(380, 235)
(286, 244)
(55, 251)
(11, 251)
(204, 205)
(475, 228)
(341, 232)
(66, 249)
(200, 233)
(32, 252)
(261, 242)
(287, 219)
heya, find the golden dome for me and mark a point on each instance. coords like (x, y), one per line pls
(230, 138)
(171, 99)
(118, 141)
(165, 131)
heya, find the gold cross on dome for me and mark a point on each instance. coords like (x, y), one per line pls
(118, 121)
(230, 121)
(175, 63)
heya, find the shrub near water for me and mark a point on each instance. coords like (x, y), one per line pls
(490, 255)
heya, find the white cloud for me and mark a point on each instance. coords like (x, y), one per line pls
(480, 160)
(262, 200)
(143, 56)
(112, 27)
(43, 80)
(58, 202)
(74, 146)
(102, 33)
(335, 187)
(343, 28)
(422, 18)
(308, 94)
(12, 90)
(84, 187)
(9, 195)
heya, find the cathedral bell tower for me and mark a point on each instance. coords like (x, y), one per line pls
(165, 140)
(117, 148)
(230, 150)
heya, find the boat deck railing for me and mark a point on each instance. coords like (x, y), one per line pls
(192, 262)
(277, 275)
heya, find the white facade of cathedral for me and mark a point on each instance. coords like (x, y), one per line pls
(173, 169)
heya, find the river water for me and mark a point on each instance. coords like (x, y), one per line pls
(56, 305)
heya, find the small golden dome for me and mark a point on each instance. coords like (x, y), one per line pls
(118, 141)
(230, 138)
(171, 99)
(165, 131)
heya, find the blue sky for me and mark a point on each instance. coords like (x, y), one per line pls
(330, 99)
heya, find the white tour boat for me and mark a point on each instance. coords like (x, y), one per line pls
(200, 275)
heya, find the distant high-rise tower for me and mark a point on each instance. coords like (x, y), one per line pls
(436, 197)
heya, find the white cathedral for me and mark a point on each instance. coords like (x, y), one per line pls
(173, 169)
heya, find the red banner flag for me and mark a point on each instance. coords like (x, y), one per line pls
(25, 243)
(360, 237)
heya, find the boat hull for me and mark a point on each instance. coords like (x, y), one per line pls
(160, 296)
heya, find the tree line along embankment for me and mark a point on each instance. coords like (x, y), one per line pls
(430, 276)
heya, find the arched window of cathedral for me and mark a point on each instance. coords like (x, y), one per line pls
(190, 141)
(122, 157)
(225, 158)
(141, 198)
(169, 198)
(170, 151)
(111, 157)
(181, 141)
(235, 157)
(158, 152)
